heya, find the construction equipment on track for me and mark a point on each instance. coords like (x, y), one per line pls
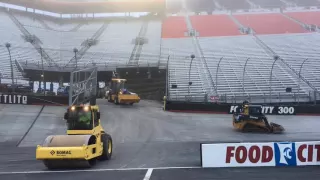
(251, 119)
(85, 142)
(119, 94)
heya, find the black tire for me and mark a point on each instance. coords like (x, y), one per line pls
(116, 100)
(109, 98)
(131, 104)
(107, 150)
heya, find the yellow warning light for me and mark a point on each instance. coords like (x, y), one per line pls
(86, 108)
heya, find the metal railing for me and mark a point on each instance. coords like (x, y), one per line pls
(276, 98)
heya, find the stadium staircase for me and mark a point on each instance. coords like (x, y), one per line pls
(205, 73)
(290, 70)
(35, 44)
(305, 26)
(86, 44)
(139, 41)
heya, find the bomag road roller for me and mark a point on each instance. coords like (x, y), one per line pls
(119, 94)
(85, 142)
(251, 119)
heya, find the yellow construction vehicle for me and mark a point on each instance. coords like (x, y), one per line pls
(251, 119)
(85, 142)
(119, 94)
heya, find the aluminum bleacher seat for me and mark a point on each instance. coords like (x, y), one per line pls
(200, 5)
(174, 27)
(20, 50)
(306, 2)
(180, 51)
(214, 25)
(235, 51)
(150, 52)
(231, 4)
(61, 27)
(269, 23)
(115, 44)
(269, 3)
(28, 21)
(294, 49)
(306, 17)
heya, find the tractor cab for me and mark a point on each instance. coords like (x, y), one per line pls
(116, 85)
(253, 110)
(82, 117)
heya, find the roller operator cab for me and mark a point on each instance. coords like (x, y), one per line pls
(251, 119)
(118, 94)
(85, 142)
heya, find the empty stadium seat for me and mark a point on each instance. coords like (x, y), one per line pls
(269, 3)
(269, 23)
(294, 49)
(214, 25)
(231, 4)
(180, 51)
(306, 17)
(307, 2)
(150, 52)
(174, 27)
(115, 44)
(235, 51)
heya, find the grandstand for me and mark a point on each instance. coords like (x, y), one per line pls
(112, 42)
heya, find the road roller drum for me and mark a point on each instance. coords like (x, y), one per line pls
(85, 142)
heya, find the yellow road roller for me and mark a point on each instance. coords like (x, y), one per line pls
(119, 94)
(85, 142)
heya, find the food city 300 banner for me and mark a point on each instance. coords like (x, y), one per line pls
(260, 154)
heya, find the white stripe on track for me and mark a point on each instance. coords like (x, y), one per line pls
(94, 170)
(148, 174)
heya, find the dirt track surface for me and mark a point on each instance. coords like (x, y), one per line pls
(144, 137)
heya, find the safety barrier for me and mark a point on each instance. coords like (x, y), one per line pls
(276, 109)
(260, 154)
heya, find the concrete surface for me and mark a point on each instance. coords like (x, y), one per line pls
(146, 137)
(15, 120)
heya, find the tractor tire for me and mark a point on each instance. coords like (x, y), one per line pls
(116, 100)
(107, 147)
(109, 98)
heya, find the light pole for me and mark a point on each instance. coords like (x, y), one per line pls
(75, 50)
(192, 57)
(270, 78)
(167, 83)
(217, 75)
(244, 70)
(300, 78)
(8, 45)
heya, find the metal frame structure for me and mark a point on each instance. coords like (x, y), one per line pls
(83, 86)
